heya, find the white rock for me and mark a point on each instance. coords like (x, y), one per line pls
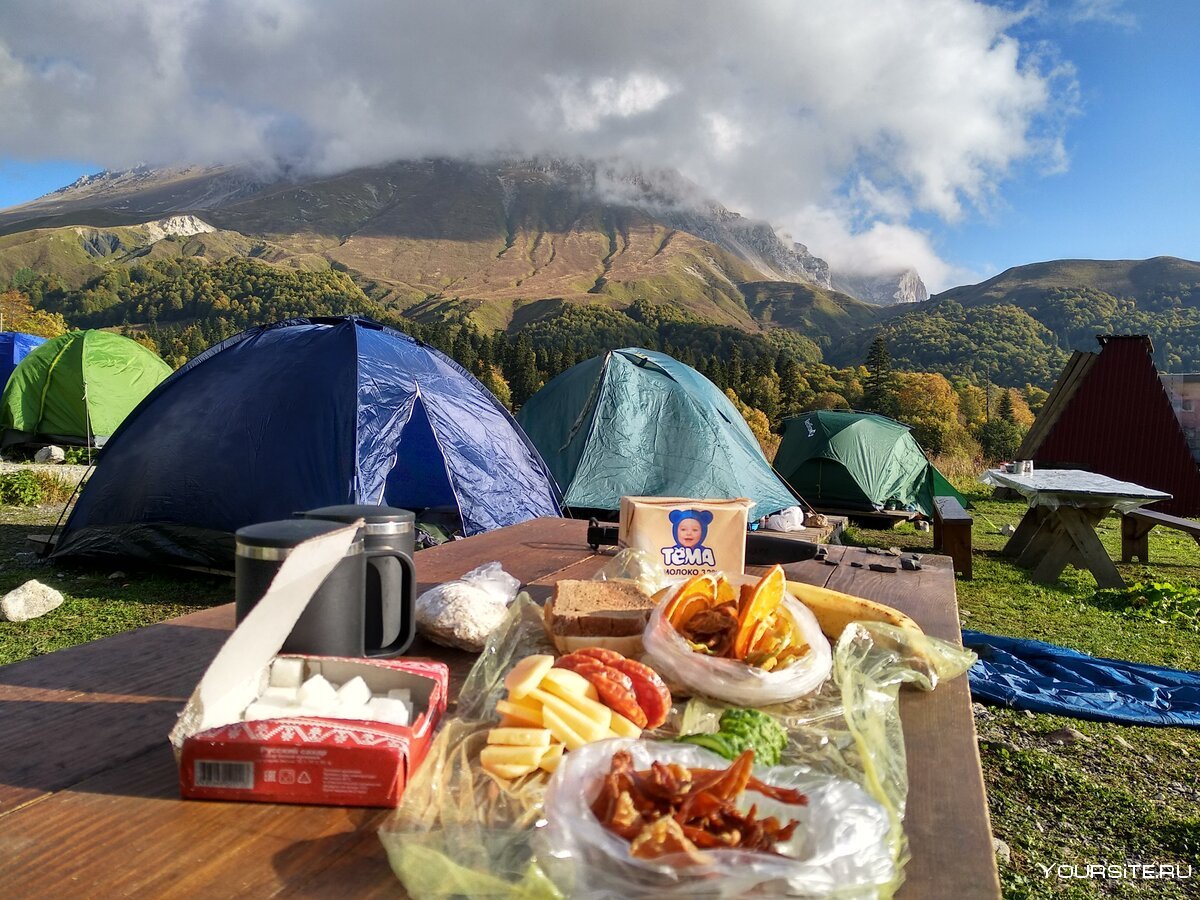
(318, 693)
(1003, 852)
(397, 712)
(287, 673)
(51, 454)
(354, 692)
(30, 600)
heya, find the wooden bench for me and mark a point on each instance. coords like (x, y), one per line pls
(1137, 525)
(952, 533)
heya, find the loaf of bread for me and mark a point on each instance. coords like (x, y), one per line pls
(610, 614)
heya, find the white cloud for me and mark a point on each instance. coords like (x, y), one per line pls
(864, 111)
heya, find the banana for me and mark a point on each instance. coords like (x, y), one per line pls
(835, 610)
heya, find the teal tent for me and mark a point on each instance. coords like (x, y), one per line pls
(838, 459)
(638, 423)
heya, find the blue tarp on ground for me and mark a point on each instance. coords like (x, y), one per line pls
(293, 416)
(14, 347)
(1046, 678)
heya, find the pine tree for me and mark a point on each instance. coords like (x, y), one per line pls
(522, 373)
(1004, 409)
(879, 391)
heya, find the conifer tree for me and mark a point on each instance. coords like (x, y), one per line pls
(879, 391)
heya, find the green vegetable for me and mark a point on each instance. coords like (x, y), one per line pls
(741, 730)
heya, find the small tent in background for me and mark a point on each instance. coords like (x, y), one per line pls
(77, 388)
(14, 347)
(1109, 413)
(838, 459)
(639, 423)
(298, 415)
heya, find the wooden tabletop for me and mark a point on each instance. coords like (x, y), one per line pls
(89, 795)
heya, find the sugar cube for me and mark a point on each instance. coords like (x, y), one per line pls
(258, 710)
(283, 695)
(400, 694)
(354, 692)
(358, 711)
(317, 693)
(397, 712)
(287, 673)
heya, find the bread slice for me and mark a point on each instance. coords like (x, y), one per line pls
(609, 614)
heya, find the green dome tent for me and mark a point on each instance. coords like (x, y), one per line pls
(638, 423)
(77, 388)
(837, 459)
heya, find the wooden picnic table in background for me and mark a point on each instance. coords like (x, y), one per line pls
(89, 796)
(1059, 528)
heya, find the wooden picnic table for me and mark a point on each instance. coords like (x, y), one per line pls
(1059, 528)
(89, 795)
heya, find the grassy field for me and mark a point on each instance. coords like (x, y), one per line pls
(96, 604)
(1115, 795)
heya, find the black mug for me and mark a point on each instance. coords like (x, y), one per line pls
(333, 623)
(388, 536)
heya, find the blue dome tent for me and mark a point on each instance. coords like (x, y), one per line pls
(14, 347)
(298, 415)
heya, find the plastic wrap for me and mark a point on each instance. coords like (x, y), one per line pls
(840, 847)
(730, 679)
(460, 832)
(635, 565)
(462, 613)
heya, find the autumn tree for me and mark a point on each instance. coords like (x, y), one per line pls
(17, 314)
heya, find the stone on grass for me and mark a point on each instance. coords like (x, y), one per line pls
(117, 575)
(50, 454)
(30, 600)
(1066, 736)
(1003, 853)
(1008, 530)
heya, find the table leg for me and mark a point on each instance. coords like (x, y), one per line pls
(1080, 525)
(1071, 540)
(1027, 529)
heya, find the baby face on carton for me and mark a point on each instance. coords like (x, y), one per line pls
(688, 536)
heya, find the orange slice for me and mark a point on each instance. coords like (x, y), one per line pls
(725, 591)
(765, 598)
(704, 586)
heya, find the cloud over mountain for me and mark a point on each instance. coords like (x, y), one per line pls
(841, 122)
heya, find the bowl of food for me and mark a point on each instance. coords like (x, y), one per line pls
(738, 638)
(633, 818)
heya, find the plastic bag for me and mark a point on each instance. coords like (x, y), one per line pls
(790, 519)
(462, 613)
(729, 679)
(460, 832)
(841, 844)
(635, 565)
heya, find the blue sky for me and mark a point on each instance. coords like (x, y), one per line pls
(817, 117)
(1131, 189)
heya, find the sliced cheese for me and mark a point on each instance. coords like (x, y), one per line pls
(498, 755)
(622, 727)
(527, 675)
(507, 772)
(519, 711)
(551, 758)
(562, 730)
(520, 737)
(567, 684)
(585, 717)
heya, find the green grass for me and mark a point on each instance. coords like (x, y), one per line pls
(95, 605)
(1124, 794)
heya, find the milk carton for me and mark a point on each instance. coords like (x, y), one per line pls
(687, 536)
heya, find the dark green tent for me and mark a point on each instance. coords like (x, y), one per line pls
(837, 459)
(635, 422)
(77, 388)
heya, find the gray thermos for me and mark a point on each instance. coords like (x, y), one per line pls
(333, 623)
(389, 539)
